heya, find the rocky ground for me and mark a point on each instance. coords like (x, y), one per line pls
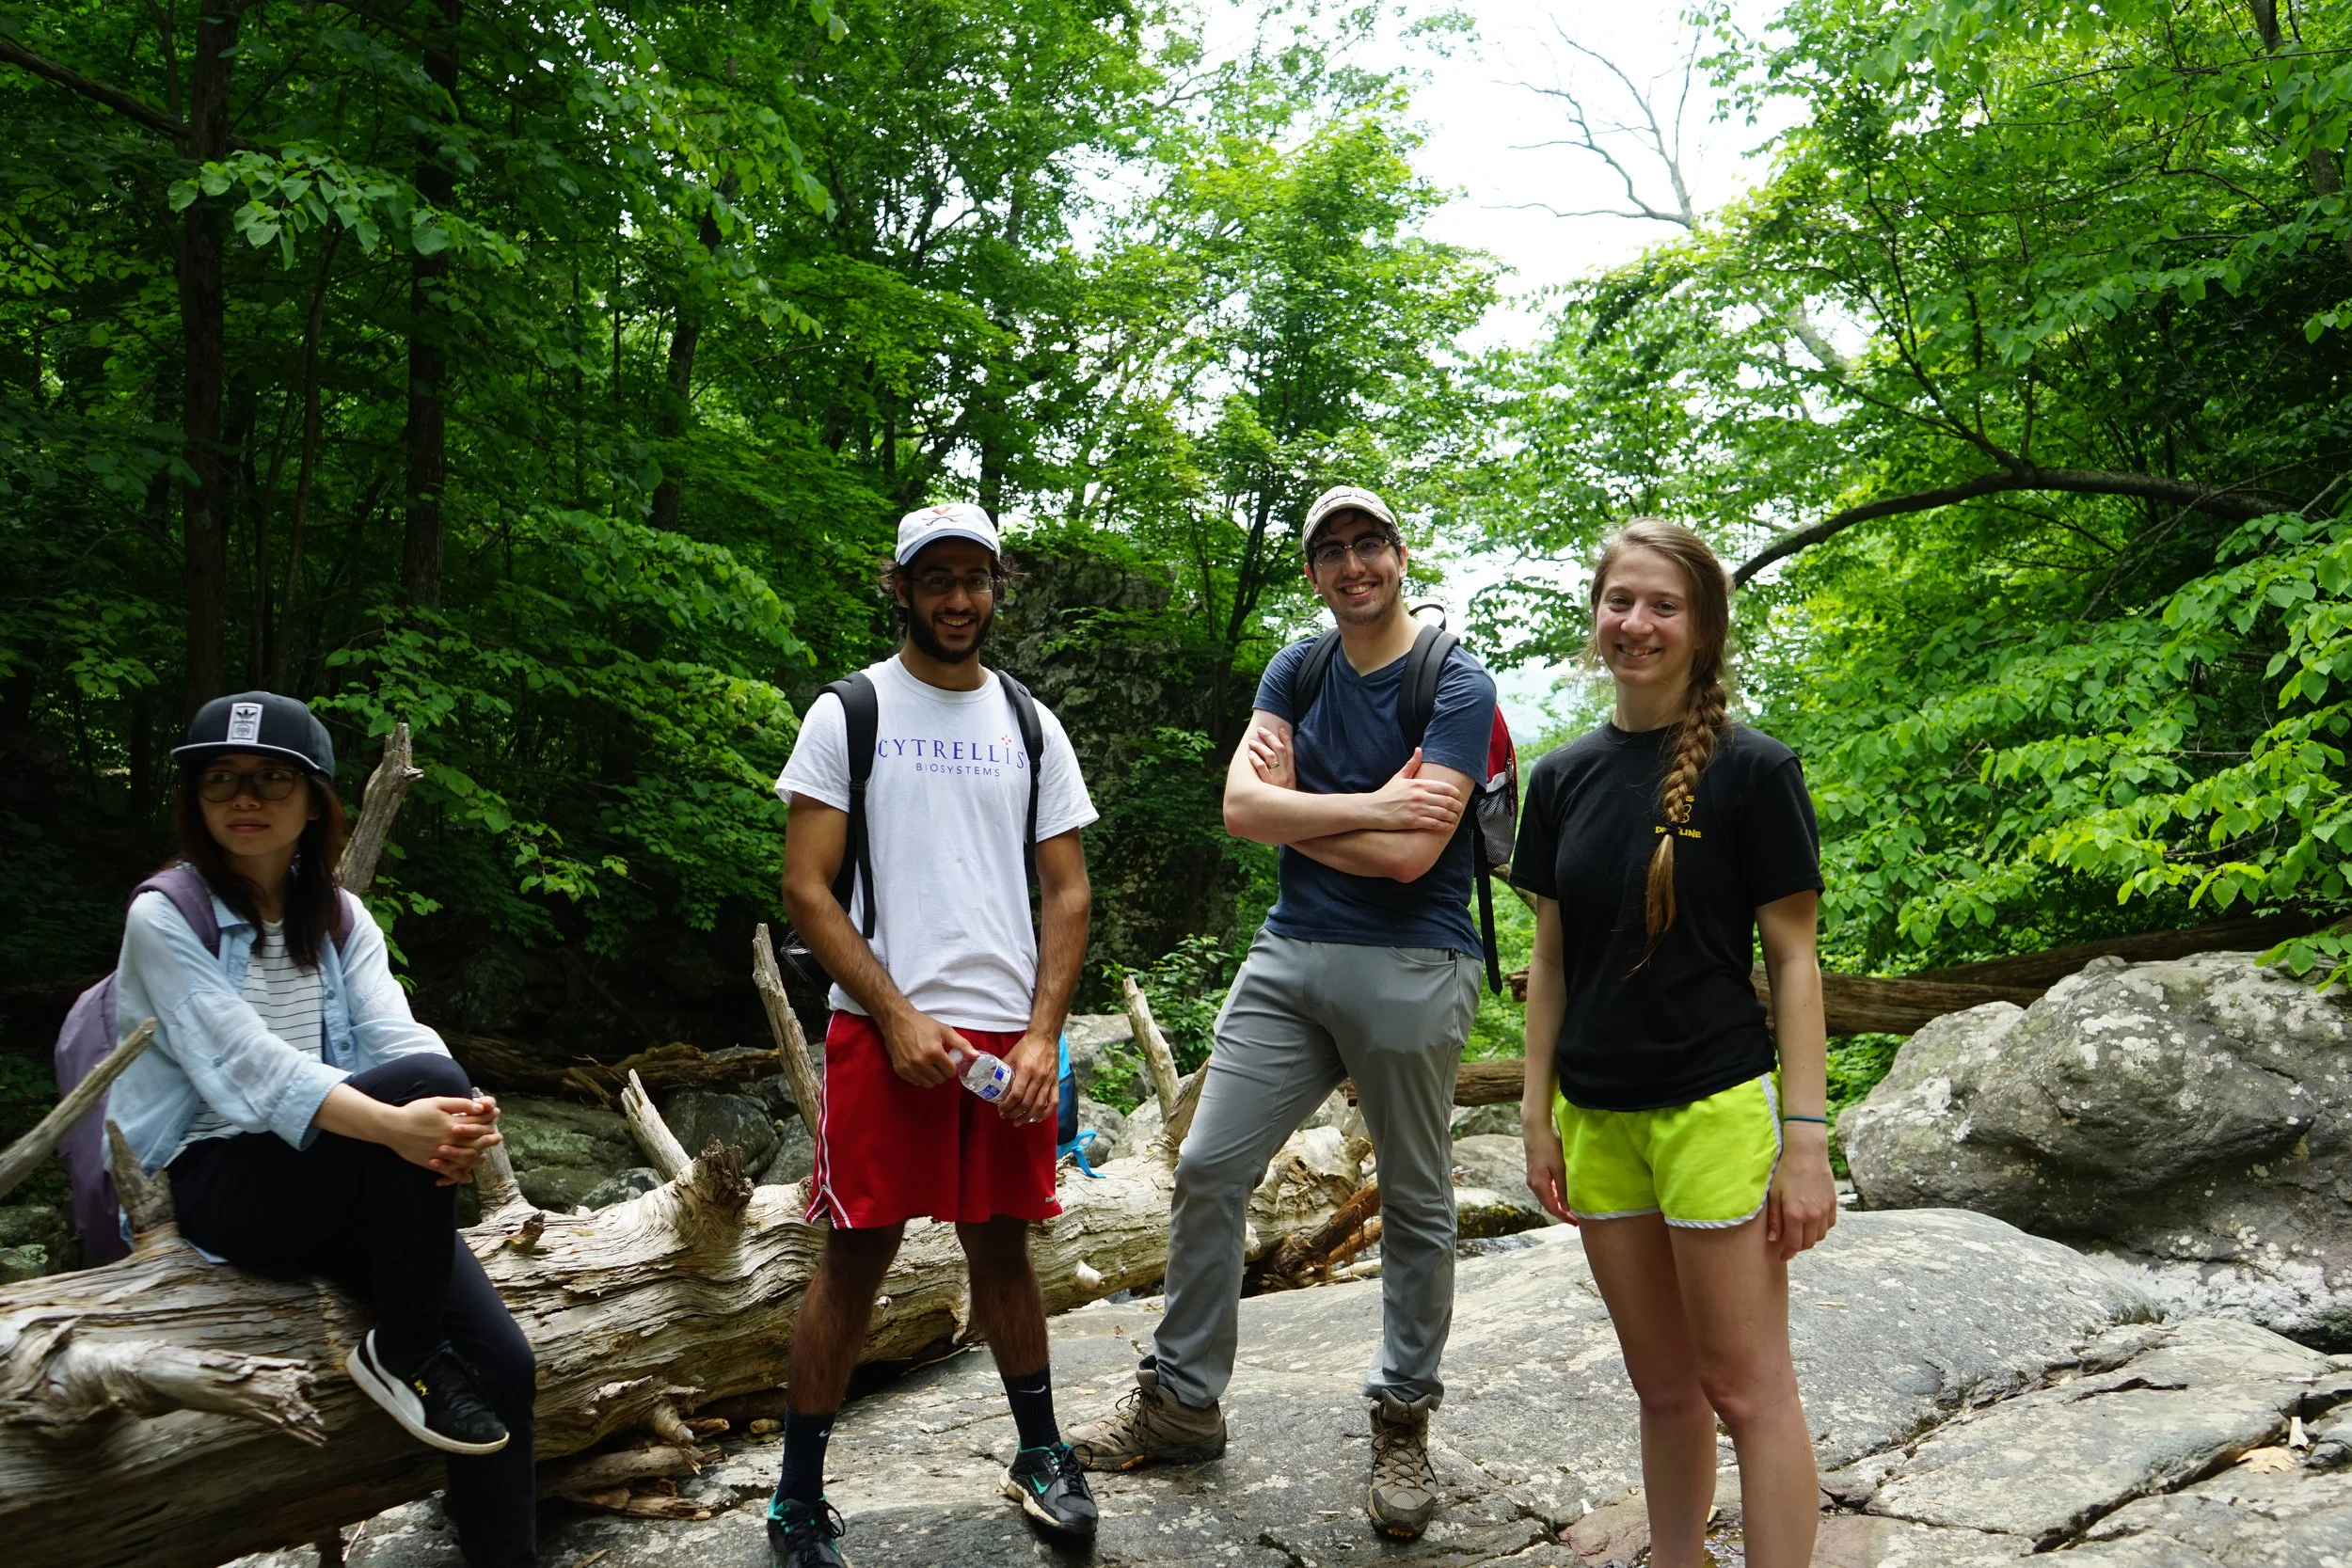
(1977, 1395)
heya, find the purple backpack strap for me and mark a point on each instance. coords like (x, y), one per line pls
(192, 897)
(86, 1038)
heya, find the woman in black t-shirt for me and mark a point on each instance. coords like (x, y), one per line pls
(1655, 1104)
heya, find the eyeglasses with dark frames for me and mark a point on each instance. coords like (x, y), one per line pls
(1367, 549)
(222, 785)
(938, 585)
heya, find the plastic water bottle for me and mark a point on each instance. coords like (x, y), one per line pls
(985, 1075)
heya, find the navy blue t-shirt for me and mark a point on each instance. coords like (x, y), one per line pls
(1351, 744)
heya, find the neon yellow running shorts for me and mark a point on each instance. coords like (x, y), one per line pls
(1706, 1165)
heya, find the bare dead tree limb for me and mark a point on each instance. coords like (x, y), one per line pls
(380, 802)
(29, 1151)
(1156, 1056)
(808, 1090)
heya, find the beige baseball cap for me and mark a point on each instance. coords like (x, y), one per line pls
(949, 520)
(1341, 497)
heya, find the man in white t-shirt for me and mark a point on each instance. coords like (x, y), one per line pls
(952, 966)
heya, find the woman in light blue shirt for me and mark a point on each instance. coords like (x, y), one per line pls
(307, 1124)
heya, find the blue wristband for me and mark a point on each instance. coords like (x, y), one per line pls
(1822, 1120)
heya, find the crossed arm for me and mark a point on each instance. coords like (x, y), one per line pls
(922, 1049)
(1397, 831)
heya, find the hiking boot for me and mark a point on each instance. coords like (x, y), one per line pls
(802, 1535)
(1051, 1488)
(1149, 1426)
(438, 1402)
(1404, 1488)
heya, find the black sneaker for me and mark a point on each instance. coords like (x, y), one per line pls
(1051, 1488)
(438, 1403)
(802, 1535)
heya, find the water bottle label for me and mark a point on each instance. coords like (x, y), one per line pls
(999, 1079)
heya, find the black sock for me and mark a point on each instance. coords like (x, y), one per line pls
(805, 1456)
(1031, 1397)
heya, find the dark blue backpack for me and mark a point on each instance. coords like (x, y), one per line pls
(89, 1033)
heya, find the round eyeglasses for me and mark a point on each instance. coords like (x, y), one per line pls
(222, 785)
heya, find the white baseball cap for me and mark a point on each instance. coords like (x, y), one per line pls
(951, 520)
(1342, 497)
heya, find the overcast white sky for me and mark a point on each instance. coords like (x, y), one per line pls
(1487, 134)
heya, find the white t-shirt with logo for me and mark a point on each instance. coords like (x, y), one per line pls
(947, 809)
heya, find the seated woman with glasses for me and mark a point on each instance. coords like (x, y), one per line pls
(307, 1123)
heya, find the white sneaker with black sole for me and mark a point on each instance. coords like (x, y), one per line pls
(439, 1403)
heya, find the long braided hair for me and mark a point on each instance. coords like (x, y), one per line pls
(1706, 708)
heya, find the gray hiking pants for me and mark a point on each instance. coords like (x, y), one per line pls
(1302, 1016)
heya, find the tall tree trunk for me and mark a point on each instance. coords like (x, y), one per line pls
(670, 420)
(203, 331)
(428, 360)
(306, 471)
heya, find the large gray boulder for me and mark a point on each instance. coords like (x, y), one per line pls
(795, 1159)
(734, 1120)
(1093, 1037)
(1490, 1193)
(563, 1151)
(36, 1239)
(1109, 1127)
(2189, 1116)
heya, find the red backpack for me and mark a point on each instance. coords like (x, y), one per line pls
(1492, 819)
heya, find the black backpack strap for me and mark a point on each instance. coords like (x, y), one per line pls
(1306, 683)
(1032, 730)
(1425, 666)
(1479, 874)
(1416, 705)
(861, 711)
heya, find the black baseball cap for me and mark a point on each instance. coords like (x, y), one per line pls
(261, 721)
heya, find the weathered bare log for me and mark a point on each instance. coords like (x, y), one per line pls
(2251, 934)
(1304, 1256)
(639, 1314)
(1180, 1123)
(662, 1149)
(808, 1091)
(25, 1155)
(603, 1471)
(1865, 1004)
(1157, 1059)
(494, 1179)
(511, 1067)
(145, 1199)
(378, 805)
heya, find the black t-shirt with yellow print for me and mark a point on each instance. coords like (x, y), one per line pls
(1686, 1025)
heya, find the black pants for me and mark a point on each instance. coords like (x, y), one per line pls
(375, 1225)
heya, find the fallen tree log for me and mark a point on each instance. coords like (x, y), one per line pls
(639, 1314)
(1869, 1004)
(510, 1066)
(2252, 934)
(1864, 1005)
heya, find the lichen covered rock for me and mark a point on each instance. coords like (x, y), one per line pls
(2189, 1116)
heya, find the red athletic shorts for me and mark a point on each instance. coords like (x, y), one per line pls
(889, 1151)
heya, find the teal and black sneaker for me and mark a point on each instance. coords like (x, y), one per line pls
(1051, 1488)
(802, 1535)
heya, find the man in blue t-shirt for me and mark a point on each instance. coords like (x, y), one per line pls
(1367, 968)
